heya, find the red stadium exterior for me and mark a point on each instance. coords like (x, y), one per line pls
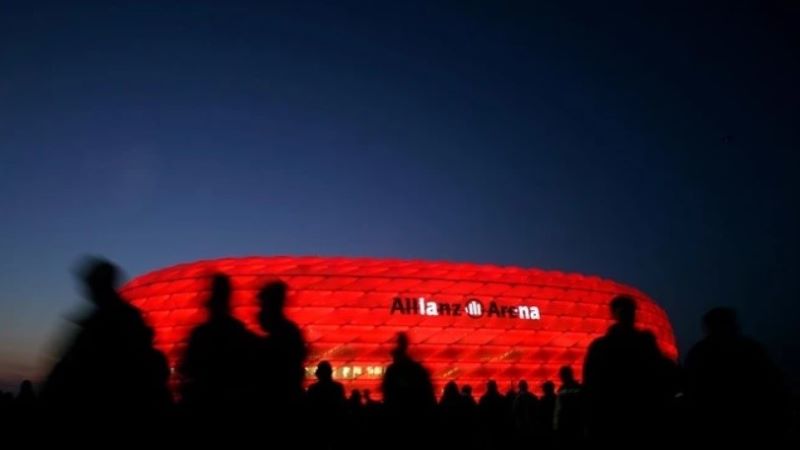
(466, 322)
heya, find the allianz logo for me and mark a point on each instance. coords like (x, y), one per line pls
(471, 307)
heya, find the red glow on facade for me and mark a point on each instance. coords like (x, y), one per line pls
(466, 322)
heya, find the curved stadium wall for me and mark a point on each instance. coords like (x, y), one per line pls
(466, 322)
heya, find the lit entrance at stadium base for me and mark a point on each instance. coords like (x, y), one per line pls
(351, 372)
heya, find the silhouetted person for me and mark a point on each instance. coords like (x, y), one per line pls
(408, 397)
(466, 394)
(372, 408)
(326, 394)
(110, 372)
(327, 408)
(25, 404)
(471, 432)
(355, 411)
(452, 414)
(373, 418)
(217, 368)
(494, 416)
(283, 356)
(7, 413)
(457, 418)
(356, 420)
(355, 403)
(545, 411)
(5, 402)
(510, 396)
(451, 398)
(525, 413)
(369, 402)
(470, 404)
(626, 381)
(735, 391)
(568, 416)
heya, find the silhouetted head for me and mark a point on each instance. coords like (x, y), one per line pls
(401, 348)
(272, 298)
(26, 389)
(367, 395)
(549, 388)
(355, 396)
(523, 386)
(324, 371)
(566, 374)
(219, 302)
(450, 390)
(623, 310)
(100, 278)
(491, 387)
(721, 322)
(466, 390)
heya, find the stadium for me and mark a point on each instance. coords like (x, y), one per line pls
(466, 322)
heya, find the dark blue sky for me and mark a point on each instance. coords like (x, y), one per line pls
(655, 145)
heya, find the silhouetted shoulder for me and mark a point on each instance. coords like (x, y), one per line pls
(648, 336)
(754, 347)
(597, 345)
(695, 355)
(594, 355)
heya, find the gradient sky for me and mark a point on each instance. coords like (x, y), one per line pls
(654, 145)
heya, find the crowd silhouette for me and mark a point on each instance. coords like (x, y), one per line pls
(234, 381)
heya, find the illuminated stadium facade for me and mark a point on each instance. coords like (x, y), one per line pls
(466, 322)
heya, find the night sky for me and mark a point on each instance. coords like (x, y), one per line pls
(656, 145)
